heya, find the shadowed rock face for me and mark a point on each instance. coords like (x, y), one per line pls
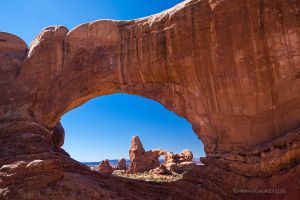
(230, 67)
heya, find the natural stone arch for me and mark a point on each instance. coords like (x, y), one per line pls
(49, 113)
(183, 70)
(235, 79)
(163, 158)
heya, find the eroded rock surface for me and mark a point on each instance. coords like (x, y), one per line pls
(105, 167)
(182, 59)
(230, 67)
(121, 165)
(161, 170)
(141, 160)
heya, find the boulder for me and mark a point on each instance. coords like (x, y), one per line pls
(186, 156)
(58, 135)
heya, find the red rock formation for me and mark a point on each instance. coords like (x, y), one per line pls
(105, 167)
(141, 160)
(58, 135)
(161, 170)
(230, 67)
(136, 147)
(121, 165)
(270, 171)
(180, 163)
(186, 155)
(242, 83)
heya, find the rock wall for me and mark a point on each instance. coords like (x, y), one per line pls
(230, 67)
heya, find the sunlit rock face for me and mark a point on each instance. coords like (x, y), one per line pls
(141, 160)
(230, 67)
(145, 161)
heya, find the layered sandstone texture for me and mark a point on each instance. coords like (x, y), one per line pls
(230, 67)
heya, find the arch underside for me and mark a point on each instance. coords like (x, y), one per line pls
(235, 79)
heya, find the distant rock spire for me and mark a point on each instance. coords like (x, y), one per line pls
(136, 147)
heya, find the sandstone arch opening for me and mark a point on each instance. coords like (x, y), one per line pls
(104, 126)
(162, 159)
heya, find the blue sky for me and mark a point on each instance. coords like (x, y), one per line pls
(103, 127)
(26, 18)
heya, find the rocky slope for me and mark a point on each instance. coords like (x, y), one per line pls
(230, 67)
